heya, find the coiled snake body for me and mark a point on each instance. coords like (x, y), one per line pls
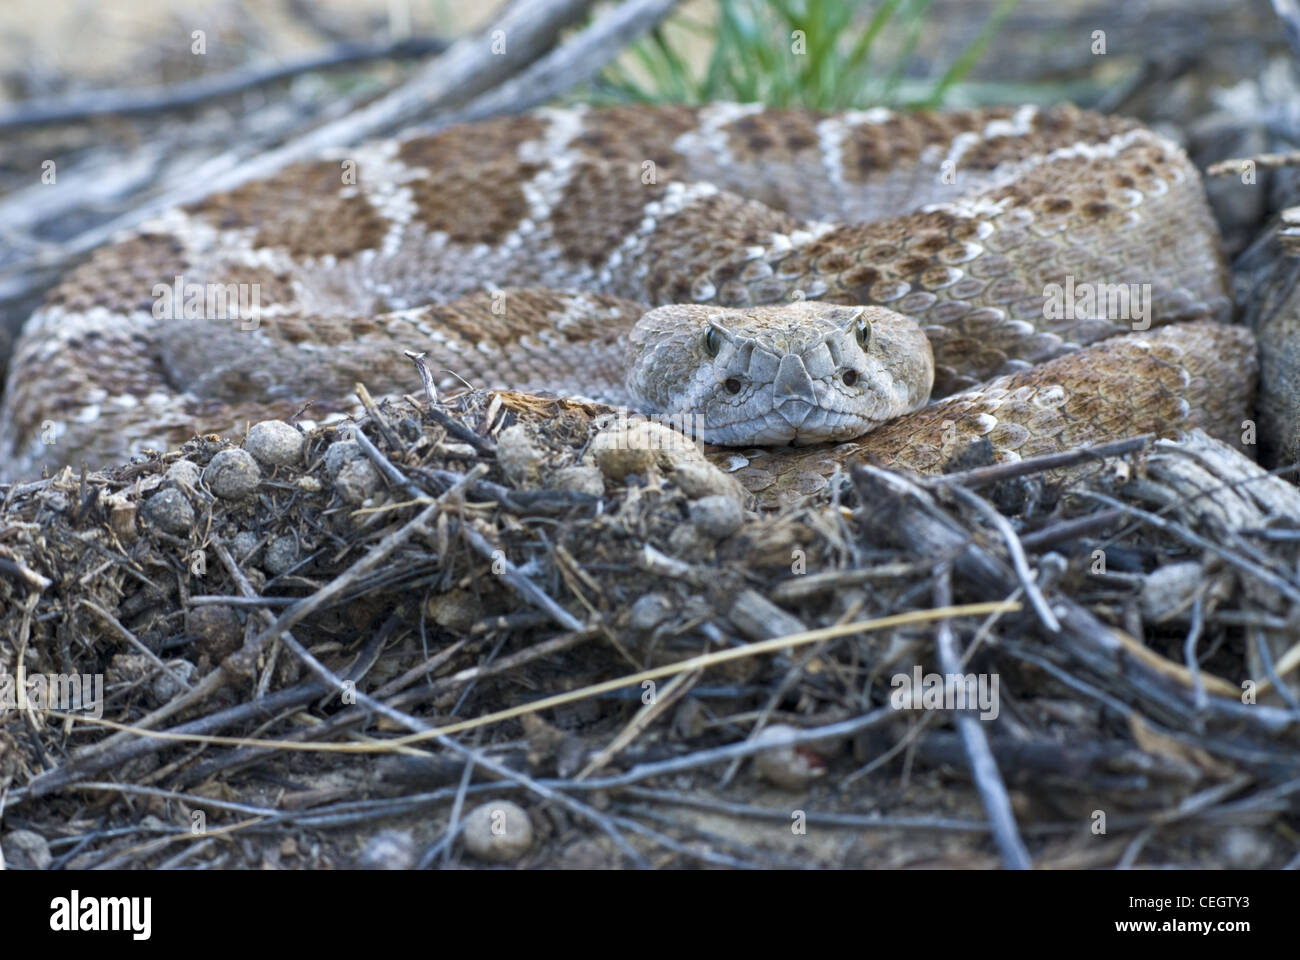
(525, 252)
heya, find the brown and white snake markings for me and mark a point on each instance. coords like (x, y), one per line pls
(524, 252)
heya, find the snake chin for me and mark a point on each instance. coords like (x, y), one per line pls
(801, 374)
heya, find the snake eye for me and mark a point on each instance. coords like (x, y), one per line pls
(732, 385)
(712, 341)
(864, 333)
(850, 378)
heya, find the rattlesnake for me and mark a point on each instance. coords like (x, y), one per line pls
(522, 252)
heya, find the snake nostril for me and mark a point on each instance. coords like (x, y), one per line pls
(732, 385)
(850, 378)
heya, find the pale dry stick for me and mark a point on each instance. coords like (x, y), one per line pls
(1274, 720)
(226, 600)
(140, 742)
(1069, 529)
(983, 767)
(915, 521)
(423, 668)
(1270, 669)
(192, 799)
(851, 821)
(792, 676)
(1016, 552)
(210, 684)
(174, 863)
(135, 643)
(98, 759)
(349, 812)
(763, 858)
(509, 572)
(443, 846)
(446, 685)
(246, 754)
(20, 571)
(704, 854)
(803, 586)
(1263, 574)
(915, 730)
(981, 476)
(96, 185)
(1268, 798)
(1263, 161)
(1190, 806)
(469, 67)
(132, 102)
(454, 824)
(475, 757)
(434, 408)
(1190, 660)
(376, 417)
(674, 690)
(706, 660)
(574, 62)
(1288, 11)
(525, 587)
(151, 846)
(375, 555)
(743, 748)
(426, 378)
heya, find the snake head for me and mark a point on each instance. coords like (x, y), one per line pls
(804, 373)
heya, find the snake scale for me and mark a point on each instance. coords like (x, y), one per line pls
(813, 277)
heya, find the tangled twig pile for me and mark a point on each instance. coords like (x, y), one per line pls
(434, 565)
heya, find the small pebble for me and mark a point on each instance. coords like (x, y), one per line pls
(215, 630)
(456, 610)
(388, 850)
(498, 831)
(184, 471)
(650, 611)
(716, 516)
(1245, 848)
(519, 457)
(164, 688)
(274, 443)
(243, 544)
(281, 554)
(357, 481)
(339, 453)
(233, 475)
(791, 767)
(355, 477)
(25, 850)
(170, 511)
(699, 478)
(579, 479)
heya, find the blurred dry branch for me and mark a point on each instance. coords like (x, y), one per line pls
(126, 103)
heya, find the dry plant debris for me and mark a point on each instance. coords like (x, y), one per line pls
(320, 636)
